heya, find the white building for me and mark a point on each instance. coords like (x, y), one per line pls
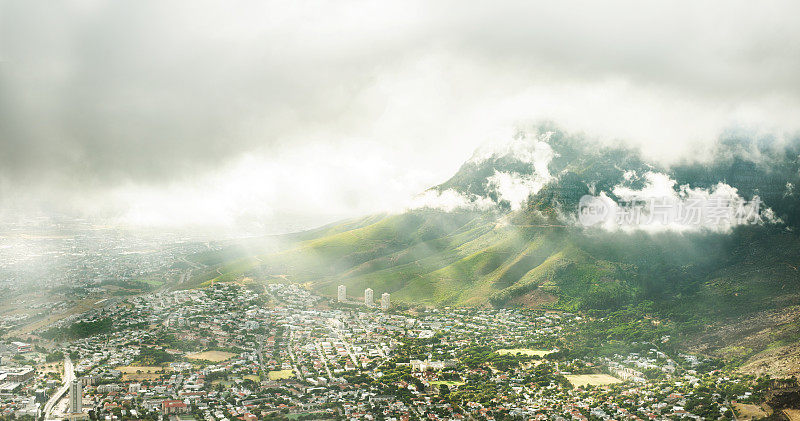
(76, 396)
(368, 297)
(20, 347)
(385, 301)
(342, 293)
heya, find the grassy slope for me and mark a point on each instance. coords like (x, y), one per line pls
(428, 257)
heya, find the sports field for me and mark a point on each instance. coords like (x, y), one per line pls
(591, 379)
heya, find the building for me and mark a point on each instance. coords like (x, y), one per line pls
(385, 301)
(20, 375)
(9, 388)
(342, 293)
(174, 407)
(368, 297)
(21, 347)
(76, 396)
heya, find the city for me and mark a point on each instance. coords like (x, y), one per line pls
(254, 351)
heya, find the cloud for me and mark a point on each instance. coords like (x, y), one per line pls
(517, 188)
(450, 200)
(107, 100)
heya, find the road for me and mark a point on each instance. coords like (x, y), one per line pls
(343, 340)
(295, 367)
(324, 360)
(69, 375)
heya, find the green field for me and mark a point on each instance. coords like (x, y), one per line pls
(152, 282)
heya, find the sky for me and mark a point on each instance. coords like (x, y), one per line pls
(278, 116)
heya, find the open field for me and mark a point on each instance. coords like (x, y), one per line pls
(55, 367)
(591, 379)
(746, 411)
(523, 351)
(144, 372)
(449, 383)
(213, 356)
(280, 374)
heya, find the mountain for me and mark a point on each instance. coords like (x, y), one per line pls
(515, 239)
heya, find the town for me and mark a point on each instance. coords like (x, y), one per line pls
(250, 350)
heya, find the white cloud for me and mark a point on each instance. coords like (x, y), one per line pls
(449, 200)
(513, 187)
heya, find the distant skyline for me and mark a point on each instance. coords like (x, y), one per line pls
(280, 116)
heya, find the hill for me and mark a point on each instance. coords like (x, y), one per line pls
(516, 241)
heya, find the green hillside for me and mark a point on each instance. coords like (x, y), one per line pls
(438, 258)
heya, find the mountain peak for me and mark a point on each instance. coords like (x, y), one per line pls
(544, 170)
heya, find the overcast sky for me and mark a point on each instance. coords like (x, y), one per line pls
(292, 114)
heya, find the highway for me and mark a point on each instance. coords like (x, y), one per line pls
(69, 375)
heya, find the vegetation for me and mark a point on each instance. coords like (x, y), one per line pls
(54, 356)
(78, 330)
(152, 357)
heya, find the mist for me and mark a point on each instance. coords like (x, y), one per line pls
(279, 117)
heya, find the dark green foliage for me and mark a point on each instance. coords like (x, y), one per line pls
(79, 330)
(130, 284)
(54, 356)
(153, 356)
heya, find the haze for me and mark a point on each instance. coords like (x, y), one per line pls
(278, 116)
